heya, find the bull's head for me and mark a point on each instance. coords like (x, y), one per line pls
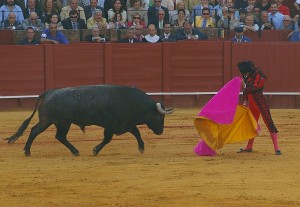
(156, 123)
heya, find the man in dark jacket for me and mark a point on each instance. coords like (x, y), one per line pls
(166, 35)
(89, 9)
(30, 37)
(153, 12)
(32, 6)
(11, 23)
(95, 36)
(187, 32)
(129, 36)
(73, 21)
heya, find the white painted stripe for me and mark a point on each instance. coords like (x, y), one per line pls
(171, 94)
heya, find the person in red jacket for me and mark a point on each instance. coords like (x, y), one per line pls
(254, 80)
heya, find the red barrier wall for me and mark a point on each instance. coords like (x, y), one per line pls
(74, 64)
(139, 65)
(192, 66)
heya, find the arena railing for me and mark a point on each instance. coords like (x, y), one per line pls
(170, 94)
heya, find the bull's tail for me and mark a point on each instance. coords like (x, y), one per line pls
(25, 124)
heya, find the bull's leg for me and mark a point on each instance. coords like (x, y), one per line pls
(138, 137)
(35, 131)
(107, 138)
(61, 135)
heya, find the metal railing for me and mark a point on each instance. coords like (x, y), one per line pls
(169, 94)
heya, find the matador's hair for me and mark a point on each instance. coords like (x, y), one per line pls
(246, 67)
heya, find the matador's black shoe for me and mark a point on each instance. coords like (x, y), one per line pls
(278, 152)
(244, 150)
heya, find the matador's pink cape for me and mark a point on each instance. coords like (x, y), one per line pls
(222, 120)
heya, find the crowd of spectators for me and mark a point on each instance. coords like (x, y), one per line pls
(157, 16)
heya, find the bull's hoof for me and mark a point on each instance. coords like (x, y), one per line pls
(95, 151)
(27, 154)
(76, 154)
(141, 150)
(10, 140)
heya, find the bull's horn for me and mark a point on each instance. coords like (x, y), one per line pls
(160, 109)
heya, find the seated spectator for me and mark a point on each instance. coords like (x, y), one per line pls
(30, 37)
(169, 4)
(159, 22)
(205, 20)
(52, 35)
(11, 23)
(187, 32)
(117, 22)
(249, 24)
(240, 4)
(166, 35)
(264, 5)
(295, 35)
(230, 5)
(54, 18)
(256, 14)
(48, 10)
(73, 5)
(117, 14)
(197, 10)
(243, 14)
(219, 4)
(295, 19)
(82, 3)
(130, 32)
(153, 12)
(95, 36)
(174, 15)
(275, 17)
(251, 2)
(190, 4)
(97, 20)
(213, 3)
(265, 23)
(181, 19)
(239, 37)
(11, 7)
(145, 4)
(138, 34)
(136, 22)
(282, 8)
(152, 36)
(234, 11)
(73, 21)
(33, 21)
(58, 4)
(228, 18)
(137, 9)
(32, 6)
(90, 9)
(288, 23)
(250, 10)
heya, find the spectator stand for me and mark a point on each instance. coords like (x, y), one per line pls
(112, 34)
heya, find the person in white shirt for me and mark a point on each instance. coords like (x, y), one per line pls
(249, 24)
(152, 36)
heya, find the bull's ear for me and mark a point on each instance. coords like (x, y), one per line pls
(162, 111)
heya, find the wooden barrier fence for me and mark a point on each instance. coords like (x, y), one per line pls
(181, 67)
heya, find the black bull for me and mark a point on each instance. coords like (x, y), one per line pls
(118, 109)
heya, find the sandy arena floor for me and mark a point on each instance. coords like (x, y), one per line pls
(167, 174)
